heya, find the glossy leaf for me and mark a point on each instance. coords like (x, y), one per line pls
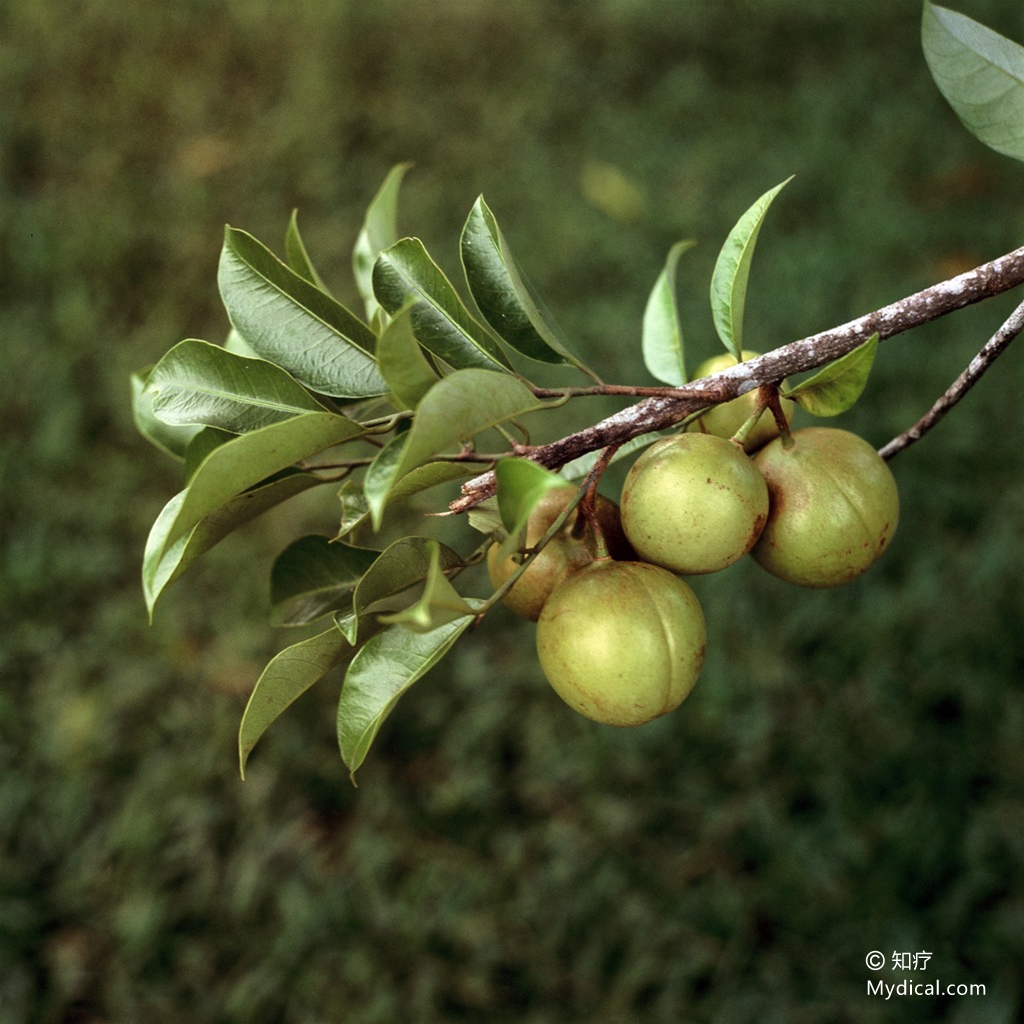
(291, 322)
(402, 363)
(242, 463)
(835, 387)
(287, 676)
(297, 256)
(981, 75)
(732, 272)
(383, 669)
(439, 604)
(521, 484)
(380, 229)
(440, 320)
(507, 301)
(314, 576)
(161, 567)
(459, 407)
(201, 445)
(386, 586)
(662, 329)
(381, 475)
(174, 440)
(200, 383)
(382, 492)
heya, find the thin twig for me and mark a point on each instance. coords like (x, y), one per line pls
(652, 414)
(990, 351)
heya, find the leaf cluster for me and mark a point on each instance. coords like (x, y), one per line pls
(429, 384)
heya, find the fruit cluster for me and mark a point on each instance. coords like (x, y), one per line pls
(620, 635)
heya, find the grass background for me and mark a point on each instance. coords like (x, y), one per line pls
(847, 776)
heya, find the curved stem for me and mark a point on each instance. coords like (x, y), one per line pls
(990, 351)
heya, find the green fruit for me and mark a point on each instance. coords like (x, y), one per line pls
(834, 507)
(563, 555)
(693, 503)
(725, 419)
(622, 642)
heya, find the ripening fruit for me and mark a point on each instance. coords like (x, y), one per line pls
(693, 503)
(834, 507)
(563, 555)
(622, 642)
(725, 419)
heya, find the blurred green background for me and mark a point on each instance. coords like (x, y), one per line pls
(847, 776)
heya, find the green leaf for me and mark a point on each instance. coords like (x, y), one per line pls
(486, 518)
(732, 272)
(981, 75)
(239, 464)
(287, 676)
(387, 585)
(454, 410)
(237, 345)
(297, 256)
(381, 475)
(835, 387)
(383, 669)
(163, 565)
(200, 383)
(356, 509)
(506, 299)
(662, 329)
(201, 445)
(402, 362)
(521, 484)
(291, 322)
(380, 229)
(314, 576)
(440, 320)
(459, 407)
(439, 604)
(172, 440)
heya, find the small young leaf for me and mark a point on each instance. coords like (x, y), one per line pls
(381, 475)
(314, 576)
(297, 256)
(199, 383)
(383, 669)
(380, 229)
(506, 299)
(386, 586)
(287, 676)
(162, 566)
(662, 329)
(291, 322)
(521, 484)
(981, 75)
(835, 387)
(402, 362)
(172, 440)
(732, 272)
(439, 604)
(440, 320)
(242, 463)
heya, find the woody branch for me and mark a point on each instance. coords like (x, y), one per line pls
(657, 413)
